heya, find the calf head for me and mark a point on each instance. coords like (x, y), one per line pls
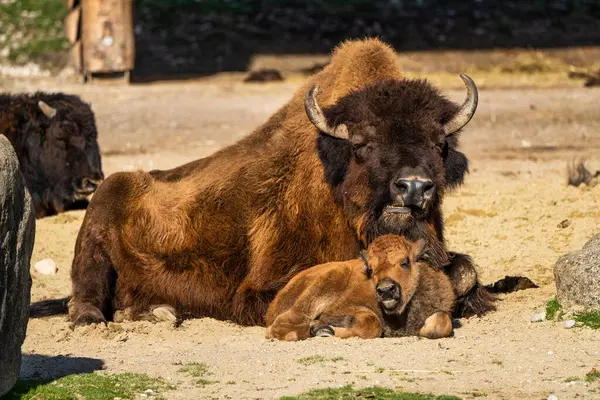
(63, 156)
(394, 265)
(390, 150)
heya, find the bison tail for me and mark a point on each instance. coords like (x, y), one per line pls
(478, 301)
(47, 308)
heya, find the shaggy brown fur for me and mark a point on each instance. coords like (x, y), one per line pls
(339, 298)
(218, 237)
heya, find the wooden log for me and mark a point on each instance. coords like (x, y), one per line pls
(72, 3)
(72, 24)
(108, 42)
(75, 56)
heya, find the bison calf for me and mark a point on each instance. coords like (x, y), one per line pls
(390, 291)
(55, 138)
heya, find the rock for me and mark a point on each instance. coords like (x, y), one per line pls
(538, 317)
(164, 313)
(569, 324)
(45, 267)
(17, 230)
(552, 397)
(577, 277)
(564, 224)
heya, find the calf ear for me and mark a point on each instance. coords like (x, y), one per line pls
(418, 249)
(47, 110)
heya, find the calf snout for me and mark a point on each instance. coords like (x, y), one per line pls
(414, 192)
(387, 290)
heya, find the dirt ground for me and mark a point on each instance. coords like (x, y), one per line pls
(506, 216)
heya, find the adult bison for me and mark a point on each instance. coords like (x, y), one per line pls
(324, 176)
(55, 138)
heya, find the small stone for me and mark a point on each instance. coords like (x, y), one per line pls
(538, 317)
(553, 397)
(569, 324)
(149, 392)
(45, 267)
(164, 314)
(525, 144)
(564, 224)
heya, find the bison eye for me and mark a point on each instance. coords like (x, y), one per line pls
(362, 151)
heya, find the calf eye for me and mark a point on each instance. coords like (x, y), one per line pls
(405, 263)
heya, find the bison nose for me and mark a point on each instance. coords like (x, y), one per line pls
(90, 185)
(386, 290)
(414, 192)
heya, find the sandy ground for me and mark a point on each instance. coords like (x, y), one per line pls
(506, 216)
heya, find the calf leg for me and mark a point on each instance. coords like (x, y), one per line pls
(362, 323)
(290, 326)
(438, 325)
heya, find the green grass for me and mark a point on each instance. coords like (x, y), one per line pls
(198, 370)
(592, 376)
(92, 386)
(347, 392)
(590, 319)
(32, 30)
(572, 379)
(498, 363)
(379, 370)
(553, 308)
(317, 359)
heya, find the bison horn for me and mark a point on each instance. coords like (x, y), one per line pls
(466, 111)
(47, 110)
(316, 116)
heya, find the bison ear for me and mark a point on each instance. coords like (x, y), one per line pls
(47, 110)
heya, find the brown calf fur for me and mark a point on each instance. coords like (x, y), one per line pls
(345, 299)
(320, 180)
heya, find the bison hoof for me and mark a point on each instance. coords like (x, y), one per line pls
(165, 313)
(88, 319)
(324, 331)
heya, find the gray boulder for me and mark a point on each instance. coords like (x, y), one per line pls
(17, 234)
(577, 277)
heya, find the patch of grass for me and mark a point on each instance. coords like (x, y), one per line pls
(230, 382)
(363, 377)
(198, 370)
(592, 376)
(32, 30)
(553, 308)
(476, 394)
(375, 392)
(195, 369)
(379, 370)
(572, 379)
(498, 363)
(590, 319)
(317, 359)
(205, 382)
(92, 386)
(447, 372)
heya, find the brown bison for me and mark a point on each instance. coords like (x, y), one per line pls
(55, 138)
(392, 290)
(321, 179)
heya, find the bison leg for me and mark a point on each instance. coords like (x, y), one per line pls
(250, 307)
(472, 297)
(436, 326)
(364, 324)
(93, 278)
(289, 326)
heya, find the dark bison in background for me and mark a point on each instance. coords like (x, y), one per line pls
(55, 138)
(372, 154)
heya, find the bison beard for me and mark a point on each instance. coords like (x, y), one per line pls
(218, 237)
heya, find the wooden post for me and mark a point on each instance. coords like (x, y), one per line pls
(73, 32)
(108, 43)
